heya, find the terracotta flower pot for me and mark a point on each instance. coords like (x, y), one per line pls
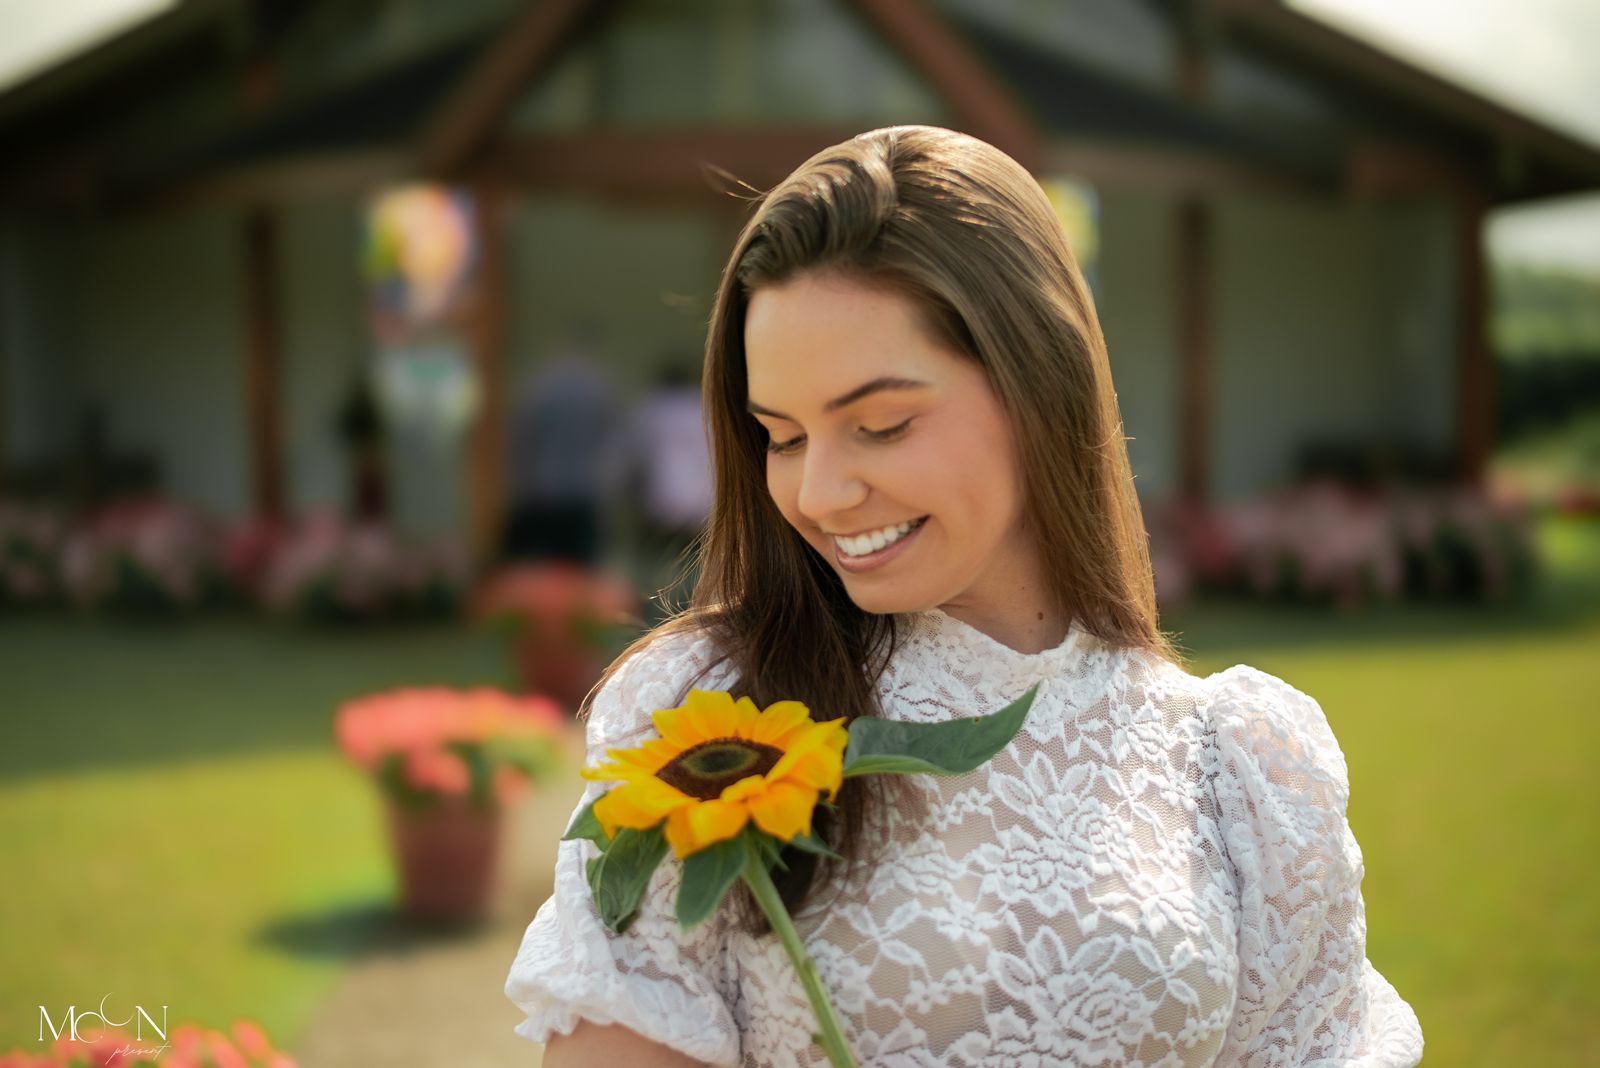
(563, 670)
(448, 857)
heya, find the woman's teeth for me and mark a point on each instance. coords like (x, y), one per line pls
(871, 542)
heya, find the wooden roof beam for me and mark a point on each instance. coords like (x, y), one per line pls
(984, 106)
(682, 160)
(1373, 67)
(468, 118)
(1172, 171)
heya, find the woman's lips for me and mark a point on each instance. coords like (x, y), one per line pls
(873, 560)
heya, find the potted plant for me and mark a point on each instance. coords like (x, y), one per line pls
(448, 761)
(568, 622)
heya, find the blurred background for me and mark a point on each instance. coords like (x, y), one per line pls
(349, 424)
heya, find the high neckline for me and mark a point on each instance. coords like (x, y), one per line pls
(940, 627)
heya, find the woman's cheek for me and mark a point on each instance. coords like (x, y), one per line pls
(918, 469)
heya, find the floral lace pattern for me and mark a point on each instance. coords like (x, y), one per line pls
(1157, 871)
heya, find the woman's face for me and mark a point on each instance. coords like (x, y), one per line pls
(874, 426)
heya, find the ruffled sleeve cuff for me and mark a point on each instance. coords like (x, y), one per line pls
(670, 986)
(656, 980)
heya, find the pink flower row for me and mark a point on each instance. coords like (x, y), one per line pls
(1323, 540)
(154, 552)
(245, 1045)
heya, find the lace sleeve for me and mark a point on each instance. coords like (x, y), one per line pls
(671, 986)
(1307, 994)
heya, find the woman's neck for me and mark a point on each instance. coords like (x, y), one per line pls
(1027, 631)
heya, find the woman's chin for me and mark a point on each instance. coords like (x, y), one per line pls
(882, 600)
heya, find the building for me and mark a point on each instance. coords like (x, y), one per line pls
(1288, 222)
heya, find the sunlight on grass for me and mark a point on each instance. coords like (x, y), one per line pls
(165, 886)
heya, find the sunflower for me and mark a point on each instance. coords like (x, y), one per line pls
(720, 764)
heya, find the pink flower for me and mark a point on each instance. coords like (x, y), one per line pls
(438, 769)
(422, 724)
(251, 1039)
(509, 784)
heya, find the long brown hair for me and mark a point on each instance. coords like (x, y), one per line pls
(965, 232)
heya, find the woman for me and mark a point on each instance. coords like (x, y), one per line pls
(923, 507)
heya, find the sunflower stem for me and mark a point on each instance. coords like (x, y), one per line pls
(831, 1035)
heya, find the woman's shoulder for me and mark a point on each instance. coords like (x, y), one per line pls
(1273, 737)
(655, 672)
(666, 652)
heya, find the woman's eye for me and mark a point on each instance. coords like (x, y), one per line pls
(887, 435)
(783, 448)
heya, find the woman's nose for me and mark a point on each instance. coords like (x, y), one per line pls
(828, 485)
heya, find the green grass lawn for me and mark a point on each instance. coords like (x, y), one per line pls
(178, 830)
(176, 825)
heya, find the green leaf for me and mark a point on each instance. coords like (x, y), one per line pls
(707, 875)
(482, 774)
(769, 850)
(810, 843)
(623, 871)
(879, 746)
(585, 825)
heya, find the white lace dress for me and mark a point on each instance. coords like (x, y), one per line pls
(1157, 871)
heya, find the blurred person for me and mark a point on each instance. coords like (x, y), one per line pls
(565, 427)
(364, 433)
(923, 507)
(670, 464)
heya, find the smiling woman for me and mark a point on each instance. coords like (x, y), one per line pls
(928, 511)
(923, 508)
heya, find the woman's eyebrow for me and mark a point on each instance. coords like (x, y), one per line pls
(866, 389)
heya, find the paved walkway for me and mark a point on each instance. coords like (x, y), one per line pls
(420, 1000)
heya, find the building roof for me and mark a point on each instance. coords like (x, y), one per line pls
(199, 90)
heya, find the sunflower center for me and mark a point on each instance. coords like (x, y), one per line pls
(705, 770)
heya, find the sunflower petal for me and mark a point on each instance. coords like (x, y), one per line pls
(679, 835)
(639, 805)
(648, 758)
(661, 752)
(780, 723)
(715, 821)
(747, 787)
(818, 749)
(813, 761)
(676, 728)
(817, 769)
(784, 810)
(837, 735)
(615, 771)
(712, 714)
(746, 717)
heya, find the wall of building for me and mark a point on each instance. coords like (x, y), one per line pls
(1418, 276)
(1298, 346)
(1333, 322)
(642, 275)
(159, 341)
(143, 320)
(1137, 300)
(324, 344)
(37, 419)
